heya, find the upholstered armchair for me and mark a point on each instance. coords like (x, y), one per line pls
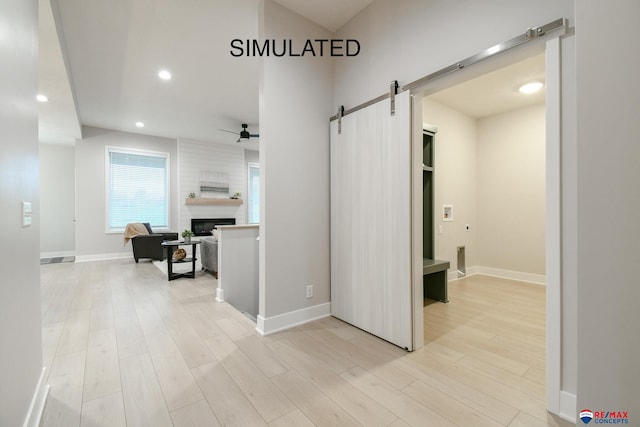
(150, 245)
(209, 255)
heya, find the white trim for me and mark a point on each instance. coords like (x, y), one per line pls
(553, 192)
(538, 279)
(417, 227)
(270, 325)
(219, 294)
(568, 406)
(57, 254)
(36, 408)
(103, 257)
(428, 127)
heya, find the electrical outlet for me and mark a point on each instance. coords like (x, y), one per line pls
(309, 291)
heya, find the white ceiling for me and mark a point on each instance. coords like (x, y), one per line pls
(58, 121)
(331, 14)
(496, 92)
(115, 48)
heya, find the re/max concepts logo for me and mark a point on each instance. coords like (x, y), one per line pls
(604, 417)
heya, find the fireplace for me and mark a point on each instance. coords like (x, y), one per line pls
(203, 226)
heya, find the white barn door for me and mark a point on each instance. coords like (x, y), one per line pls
(371, 220)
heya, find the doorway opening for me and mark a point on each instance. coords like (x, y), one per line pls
(489, 164)
(489, 151)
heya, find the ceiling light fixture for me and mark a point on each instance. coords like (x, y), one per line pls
(531, 87)
(140, 124)
(164, 75)
(41, 98)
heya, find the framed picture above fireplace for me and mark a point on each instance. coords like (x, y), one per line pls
(214, 185)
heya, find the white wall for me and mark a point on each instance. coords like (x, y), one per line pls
(20, 327)
(295, 106)
(57, 200)
(238, 267)
(511, 191)
(608, 98)
(195, 157)
(92, 240)
(455, 169)
(492, 171)
(408, 39)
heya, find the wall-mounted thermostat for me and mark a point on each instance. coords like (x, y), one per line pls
(26, 214)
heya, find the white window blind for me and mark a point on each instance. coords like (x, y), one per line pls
(254, 193)
(137, 188)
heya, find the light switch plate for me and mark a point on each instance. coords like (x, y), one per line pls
(26, 214)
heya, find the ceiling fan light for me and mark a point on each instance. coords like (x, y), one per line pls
(531, 87)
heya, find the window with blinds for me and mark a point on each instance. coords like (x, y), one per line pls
(254, 193)
(137, 188)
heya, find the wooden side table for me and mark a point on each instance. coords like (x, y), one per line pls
(170, 246)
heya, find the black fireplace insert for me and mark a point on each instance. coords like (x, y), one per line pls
(203, 226)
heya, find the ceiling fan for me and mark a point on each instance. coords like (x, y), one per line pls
(244, 133)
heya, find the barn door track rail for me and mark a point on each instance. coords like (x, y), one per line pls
(529, 35)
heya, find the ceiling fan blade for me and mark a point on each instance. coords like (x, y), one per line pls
(254, 135)
(224, 130)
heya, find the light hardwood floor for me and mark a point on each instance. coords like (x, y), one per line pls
(125, 347)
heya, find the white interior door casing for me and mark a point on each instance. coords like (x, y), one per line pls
(371, 220)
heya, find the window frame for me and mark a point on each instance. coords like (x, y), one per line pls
(139, 152)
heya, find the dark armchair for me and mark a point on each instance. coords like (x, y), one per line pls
(150, 245)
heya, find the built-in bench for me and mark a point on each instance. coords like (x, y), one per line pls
(434, 279)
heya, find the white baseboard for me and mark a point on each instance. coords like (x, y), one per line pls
(36, 408)
(568, 406)
(58, 254)
(104, 257)
(538, 279)
(270, 325)
(219, 294)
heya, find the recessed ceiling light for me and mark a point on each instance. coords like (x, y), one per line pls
(531, 87)
(140, 124)
(41, 98)
(164, 75)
